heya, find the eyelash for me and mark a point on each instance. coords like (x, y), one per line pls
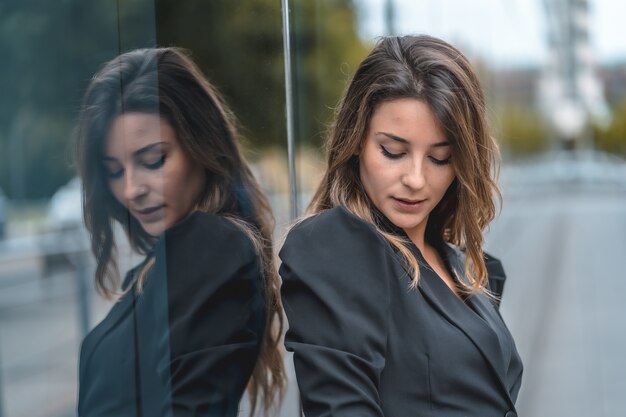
(156, 165)
(389, 154)
(115, 175)
(153, 167)
(440, 161)
(395, 156)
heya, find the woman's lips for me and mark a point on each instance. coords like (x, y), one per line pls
(408, 205)
(150, 214)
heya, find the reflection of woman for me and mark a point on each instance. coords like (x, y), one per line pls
(198, 320)
(387, 315)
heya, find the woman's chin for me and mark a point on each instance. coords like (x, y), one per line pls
(154, 229)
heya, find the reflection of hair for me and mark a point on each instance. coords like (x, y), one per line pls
(436, 73)
(165, 81)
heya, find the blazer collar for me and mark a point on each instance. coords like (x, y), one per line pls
(120, 310)
(471, 317)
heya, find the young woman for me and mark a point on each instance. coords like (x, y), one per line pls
(385, 285)
(198, 321)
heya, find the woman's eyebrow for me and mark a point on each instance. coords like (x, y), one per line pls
(394, 137)
(138, 152)
(403, 140)
(147, 148)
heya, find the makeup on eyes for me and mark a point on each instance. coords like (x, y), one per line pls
(391, 155)
(153, 161)
(437, 161)
(112, 168)
(389, 149)
(152, 157)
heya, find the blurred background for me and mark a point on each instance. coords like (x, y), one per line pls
(554, 72)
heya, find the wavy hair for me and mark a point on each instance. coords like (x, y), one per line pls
(165, 81)
(436, 73)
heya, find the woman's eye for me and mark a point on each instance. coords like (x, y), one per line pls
(440, 161)
(155, 164)
(115, 174)
(390, 155)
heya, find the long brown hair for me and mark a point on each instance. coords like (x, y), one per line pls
(434, 72)
(167, 82)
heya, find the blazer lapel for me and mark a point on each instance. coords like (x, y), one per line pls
(473, 325)
(118, 312)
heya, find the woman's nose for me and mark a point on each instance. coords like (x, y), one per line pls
(134, 187)
(414, 176)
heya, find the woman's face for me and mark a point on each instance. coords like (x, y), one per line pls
(149, 173)
(405, 164)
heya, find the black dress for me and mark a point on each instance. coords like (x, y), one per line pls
(365, 344)
(187, 344)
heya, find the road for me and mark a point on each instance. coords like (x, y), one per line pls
(564, 298)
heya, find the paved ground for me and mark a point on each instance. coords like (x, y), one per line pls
(564, 253)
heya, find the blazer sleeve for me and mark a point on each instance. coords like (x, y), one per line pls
(216, 316)
(335, 270)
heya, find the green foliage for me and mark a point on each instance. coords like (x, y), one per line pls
(520, 130)
(613, 139)
(239, 46)
(326, 52)
(51, 49)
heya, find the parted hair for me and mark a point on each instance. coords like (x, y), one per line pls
(165, 81)
(436, 73)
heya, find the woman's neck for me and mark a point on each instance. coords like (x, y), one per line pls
(418, 235)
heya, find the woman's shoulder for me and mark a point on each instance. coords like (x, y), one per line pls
(203, 245)
(332, 225)
(206, 231)
(202, 252)
(335, 234)
(201, 222)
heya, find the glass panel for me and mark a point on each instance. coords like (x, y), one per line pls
(48, 302)
(326, 48)
(50, 52)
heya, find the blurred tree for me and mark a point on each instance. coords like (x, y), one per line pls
(239, 46)
(613, 139)
(326, 53)
(520, 130)
(50, 51)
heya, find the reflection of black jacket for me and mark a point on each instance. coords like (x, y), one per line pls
(187, 345)
(365, 344)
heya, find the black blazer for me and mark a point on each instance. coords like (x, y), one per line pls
(187, 344)
(365, 344)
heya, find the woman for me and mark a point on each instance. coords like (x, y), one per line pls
(385, 285)
(198, 320)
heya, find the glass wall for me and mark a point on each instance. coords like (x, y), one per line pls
(51, 51)
(47, 302)
(554, 73)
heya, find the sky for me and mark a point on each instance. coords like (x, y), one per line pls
(507, 33)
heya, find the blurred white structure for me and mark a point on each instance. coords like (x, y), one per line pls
(570, 91)
(65, 207)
